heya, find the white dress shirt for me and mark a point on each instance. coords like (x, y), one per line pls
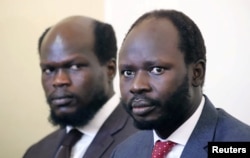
(91, 129)
(182, 134)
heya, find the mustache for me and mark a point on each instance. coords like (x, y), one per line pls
(142, 98)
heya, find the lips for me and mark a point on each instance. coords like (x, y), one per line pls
(61, 101)
(142, 107)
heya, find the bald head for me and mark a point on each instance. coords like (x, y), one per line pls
(72, 24)
(71, 33)
(76, 21)
(83, 31)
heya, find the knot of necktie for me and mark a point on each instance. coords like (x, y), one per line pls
(71, 138)
(161, 149)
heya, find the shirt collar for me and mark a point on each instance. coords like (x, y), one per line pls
(95, 124)
(182, 134)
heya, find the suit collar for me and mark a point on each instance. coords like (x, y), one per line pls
(54, 141)
(94, 125)
(203, 132)
(104, 139)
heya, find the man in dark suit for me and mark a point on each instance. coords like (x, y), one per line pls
(162, 65)
(78, 65)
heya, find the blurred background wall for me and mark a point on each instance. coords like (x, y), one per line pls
(23, 109)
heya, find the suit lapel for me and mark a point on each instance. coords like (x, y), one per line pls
(203, 132)
(104, 139)
(53, 143)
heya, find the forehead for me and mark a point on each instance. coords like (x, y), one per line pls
(68, 37)
(152, 38)
(71, 32)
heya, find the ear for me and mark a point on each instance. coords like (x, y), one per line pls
(111, 69)
(199, 69)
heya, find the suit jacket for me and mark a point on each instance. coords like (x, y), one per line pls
(213, 125)
(115, 129)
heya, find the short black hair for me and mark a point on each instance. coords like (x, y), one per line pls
(40, 40)
(105, 42)
(105, 46)
(191, 41)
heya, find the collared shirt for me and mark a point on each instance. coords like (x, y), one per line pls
(91, 129)
(182, 134)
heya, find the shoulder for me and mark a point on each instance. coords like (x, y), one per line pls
(227, 127)
(46, 144)
(139, 144)
(58, 134)
(231, 128)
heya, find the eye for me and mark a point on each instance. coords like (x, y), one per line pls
(157, 70)
(48, 70)
(75, 67)
(128, 73)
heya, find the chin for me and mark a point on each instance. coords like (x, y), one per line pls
(143, 124)
(149, 122)
(68, 117)
(61, 112)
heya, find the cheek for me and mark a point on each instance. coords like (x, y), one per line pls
(82, 81)
(124, 89)
(165, 86)
(87, 83)
(47, 85)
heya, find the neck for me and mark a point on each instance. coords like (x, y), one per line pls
(167, 128)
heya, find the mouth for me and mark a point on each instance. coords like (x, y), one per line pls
(142, 107)
(61, 101)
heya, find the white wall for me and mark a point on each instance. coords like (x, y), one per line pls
(225, 26)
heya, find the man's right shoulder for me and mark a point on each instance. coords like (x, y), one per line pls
(55, 135)
(46, 146)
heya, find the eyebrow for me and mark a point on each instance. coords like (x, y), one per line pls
(146, 64)
(126, 66)
(59, 64)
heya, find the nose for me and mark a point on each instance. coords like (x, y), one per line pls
(140, 83)
(61, 79)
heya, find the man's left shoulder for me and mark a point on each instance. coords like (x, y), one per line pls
(232, 128)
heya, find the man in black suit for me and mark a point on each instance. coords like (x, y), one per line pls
(78, 65)
(162, 65)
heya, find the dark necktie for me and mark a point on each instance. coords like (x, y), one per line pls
(68, 142)
(161, 149)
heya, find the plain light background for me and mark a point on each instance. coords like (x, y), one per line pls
(23, 110)
(225, 27)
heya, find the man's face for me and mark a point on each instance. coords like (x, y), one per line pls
(71, 76)
(154, 79)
